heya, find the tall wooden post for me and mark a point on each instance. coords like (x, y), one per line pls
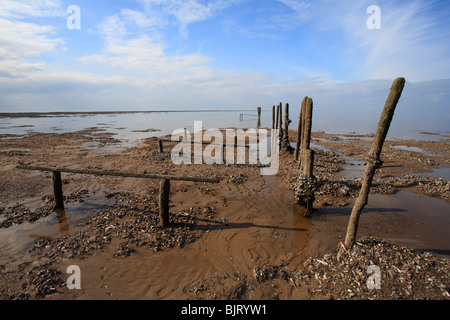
(164, 193)
(307, 181)
(160, 143)
(277, 116)
(286, 144)
(259, 118)
(280, 125)
(57, 190)
(299, 130)
(306, 129)
(373, 159)
(273, 117)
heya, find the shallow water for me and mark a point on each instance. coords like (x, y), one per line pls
(61, 223)
(125, 125)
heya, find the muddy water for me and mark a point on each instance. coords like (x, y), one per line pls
(264, 226)
(18, 239)
(408, 219)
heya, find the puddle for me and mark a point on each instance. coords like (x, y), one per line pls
(443, 173)
(61, 223)
(413, 149)
(352, 168)
(406, 218)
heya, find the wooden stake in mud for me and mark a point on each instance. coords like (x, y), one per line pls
(306, 129)
(57, 190)
(160, 146)
(280, 125)
(277, 116)
(286, 145)
(273, 117)
(259, 118)
(307, 181)
(373, 159)
(299, 130)
(164, 192)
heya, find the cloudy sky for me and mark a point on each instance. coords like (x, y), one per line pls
(219, 54)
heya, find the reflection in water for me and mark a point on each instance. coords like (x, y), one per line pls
(62, 223)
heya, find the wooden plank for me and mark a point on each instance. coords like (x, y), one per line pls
(121, 174)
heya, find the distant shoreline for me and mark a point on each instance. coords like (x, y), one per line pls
(73, 113)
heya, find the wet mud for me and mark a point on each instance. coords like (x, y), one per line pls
(243, 238)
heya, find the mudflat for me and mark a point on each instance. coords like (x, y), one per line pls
(242, 238)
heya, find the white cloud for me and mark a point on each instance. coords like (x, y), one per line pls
(20, 39)
(187, 12)
(30, 8)
(142, 54)
(142, 20)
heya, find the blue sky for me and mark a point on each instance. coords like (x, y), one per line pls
(235, 54)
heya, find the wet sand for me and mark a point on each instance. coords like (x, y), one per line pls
(223, 232)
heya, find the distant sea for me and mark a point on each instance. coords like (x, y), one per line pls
(135, 125)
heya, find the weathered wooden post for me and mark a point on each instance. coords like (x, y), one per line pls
(306, 183)
(306, 129)
(160, 146)
(277, 116)
(164, 193)
(373, 159)
(57, 190)
(300, 128)
(273, 117)
(259, 118)
(280, 126)
(286, 144)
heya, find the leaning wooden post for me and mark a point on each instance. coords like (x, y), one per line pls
(160, 146)
(259, 118)
(164, 193)
(57, 190)
(373, 159)
(299, 130)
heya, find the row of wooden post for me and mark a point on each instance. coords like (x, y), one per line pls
(305, 155)
(277, 123)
